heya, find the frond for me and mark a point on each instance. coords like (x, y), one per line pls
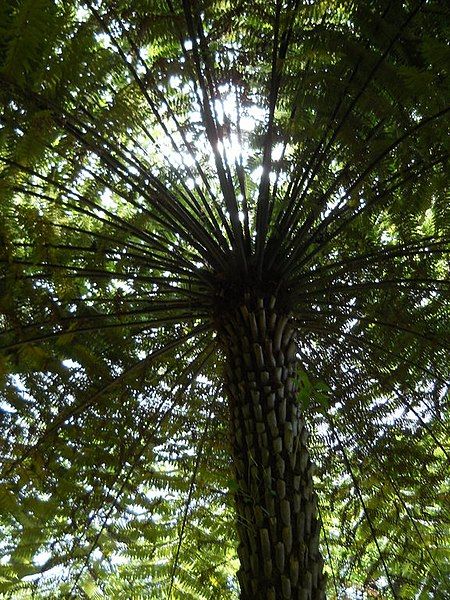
(158, 161)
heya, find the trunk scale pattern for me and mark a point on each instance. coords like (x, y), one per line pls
(277, 524)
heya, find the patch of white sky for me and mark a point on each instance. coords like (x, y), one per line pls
(427, 299)
(107, 200)
(82, 13)
(71, 364)
(228, 112)
(21, 389)
(387, 237)
(103, 39)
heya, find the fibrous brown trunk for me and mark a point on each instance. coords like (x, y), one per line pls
(277, 524)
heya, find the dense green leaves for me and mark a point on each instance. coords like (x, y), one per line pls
(158, 160)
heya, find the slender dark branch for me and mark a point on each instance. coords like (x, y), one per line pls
(317, 161)
(343, 312)
(163, 415)
(196, 33)
(157, 113)
(115, 221)
(73, 411)
(327, 545)
(425, 245)
(198, 461)
(390, 390)
(423, 423)
(143, 325)
(168, 210)
(363, 504)
(325, 329)
(342, 209)
(262, 214)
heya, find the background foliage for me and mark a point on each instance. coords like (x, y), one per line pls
(136, 141)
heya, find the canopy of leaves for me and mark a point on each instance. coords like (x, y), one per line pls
(158, 159)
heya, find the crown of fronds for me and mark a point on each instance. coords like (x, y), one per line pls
(159, 160)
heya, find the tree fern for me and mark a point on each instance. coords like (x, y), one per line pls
(224, 258)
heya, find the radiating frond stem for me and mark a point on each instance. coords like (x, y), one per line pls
(388, 389)
(401, 396)
(156, 112)
(317, 160)
(80, 407)
(343, 312)
(153, 239)
(192, 154)
(134, 463)
(322, 232)
(169, 212)
(177, 299)
(115, 221)
(425, 245)
(198, 460)
(364, 343)
(363, 504)
(327, 546)
(142, 325)
(265, 204)
(288, 194)
(355, 439)
(410, 174)
(98, 273)
(352, 287)
(150, 261)
(319, 154)
(262, 213)
(163, 286)
(200, 52)
(241, 176)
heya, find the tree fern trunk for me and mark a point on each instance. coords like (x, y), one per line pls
(276, 507)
